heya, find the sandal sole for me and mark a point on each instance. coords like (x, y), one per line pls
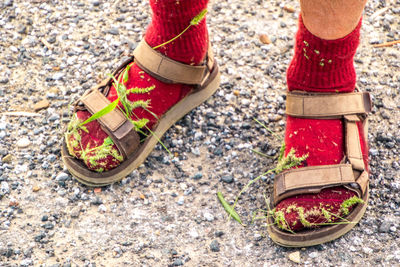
(95, 179)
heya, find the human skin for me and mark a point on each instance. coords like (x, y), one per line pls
(331, 19)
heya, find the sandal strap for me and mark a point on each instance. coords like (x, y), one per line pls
(312, 179)
(114, 123)
(353, 109)
(321, 105)
(352, 141)
(171, 71)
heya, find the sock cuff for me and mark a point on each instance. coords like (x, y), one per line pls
(176, 11)
(170, 18)
(320, 65)
(341, 48)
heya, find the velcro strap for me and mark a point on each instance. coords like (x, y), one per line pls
(317, 105)
(170, 70)
(96, 101)
(311, 180)
(114, 123)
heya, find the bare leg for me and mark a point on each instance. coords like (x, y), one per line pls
(332, 19)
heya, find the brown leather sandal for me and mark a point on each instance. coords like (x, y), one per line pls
(351, 173)
(204, 79)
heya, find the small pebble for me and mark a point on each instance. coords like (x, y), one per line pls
(227, 179)
(265, 40)
(367, 250)
(313, 255)
(7, 159)
(384, 227)
(62, 176)
(4, 80)
(289, 9)
(295, 256)
(219, 233)
(4, 188)
(43, 104)
(23, 142)
(181, 201)
(208, 216)
(102, 208)
(36, 188)
(75, 212)
(214, 246)
(198, 176)
(178, 262)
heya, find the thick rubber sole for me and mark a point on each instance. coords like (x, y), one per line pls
(95, 179)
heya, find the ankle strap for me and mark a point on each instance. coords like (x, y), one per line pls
(322, 105)
(171, 71)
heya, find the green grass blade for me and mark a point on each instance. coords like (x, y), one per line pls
(261, 154)
(269, 130)
(231, 211)
(126, 73)
(137, 90)
(113, 78)
(250, 183)
(101, 113)
(196, 20)
(199, 17)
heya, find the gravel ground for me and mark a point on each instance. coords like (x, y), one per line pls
(166, 213)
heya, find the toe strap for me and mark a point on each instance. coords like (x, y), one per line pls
(114, 123)
(311, 180)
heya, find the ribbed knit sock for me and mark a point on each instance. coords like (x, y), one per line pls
(319, 66)
(170, 17)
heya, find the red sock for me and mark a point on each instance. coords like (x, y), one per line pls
(319, 66)
(170, 17)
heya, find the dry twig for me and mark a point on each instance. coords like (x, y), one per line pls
(387, 44)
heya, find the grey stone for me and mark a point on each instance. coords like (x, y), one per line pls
(384, 227)
(58, 76)
(208, 216)
(181, 201)
(313, 255)
(62, 176)
(4, 188)
(75, 212)
(178, 262)
(8, 2)
(97, 201)
(113, 31)
(198, 176)
(227, 179)
(214, 246)
(54, 117)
